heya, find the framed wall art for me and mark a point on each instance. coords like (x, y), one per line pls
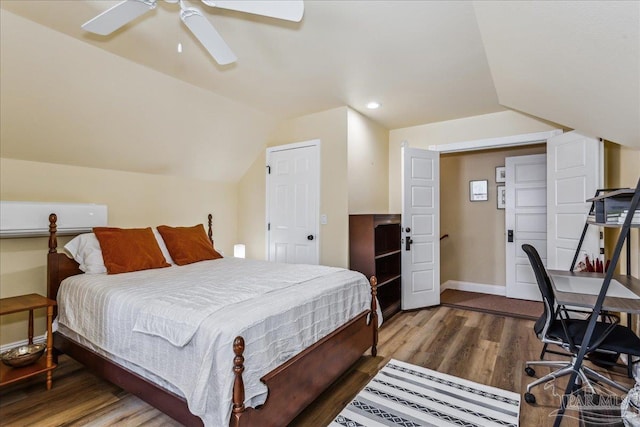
(478, 190)
(502, 194)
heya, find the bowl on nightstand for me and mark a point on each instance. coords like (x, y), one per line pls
(23, 355)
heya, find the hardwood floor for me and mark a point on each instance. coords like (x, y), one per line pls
(485, 348)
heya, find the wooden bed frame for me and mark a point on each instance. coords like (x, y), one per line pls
(292, 386)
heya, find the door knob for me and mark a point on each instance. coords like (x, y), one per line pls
(310, 237)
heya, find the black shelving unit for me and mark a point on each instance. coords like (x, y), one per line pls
(596, 212)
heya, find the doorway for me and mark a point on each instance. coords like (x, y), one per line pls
(574, 172)
(473, 253)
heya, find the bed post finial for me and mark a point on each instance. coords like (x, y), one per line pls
(53, 228)
(210, 232)
(374, 314)
(238, 369)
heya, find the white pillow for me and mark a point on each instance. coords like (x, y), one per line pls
(163, 247)
(85, 249)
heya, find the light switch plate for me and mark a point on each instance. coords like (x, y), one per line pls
(323, 219)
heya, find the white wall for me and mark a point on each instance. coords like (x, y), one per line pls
(354, 179)
(330, 127)
(65, 101)
(368, 165)
(133, 200)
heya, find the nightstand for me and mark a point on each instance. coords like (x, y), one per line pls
(29, 303)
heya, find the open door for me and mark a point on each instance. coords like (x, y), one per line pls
(420, 228)
(574, 172)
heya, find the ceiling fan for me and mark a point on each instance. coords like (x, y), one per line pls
(128, 10)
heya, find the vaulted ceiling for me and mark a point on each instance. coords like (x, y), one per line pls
(424, 61)
(573, 63)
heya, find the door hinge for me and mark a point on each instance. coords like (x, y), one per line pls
(269, 226)
(268, 170)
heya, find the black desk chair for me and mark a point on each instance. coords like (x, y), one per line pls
(556, 327)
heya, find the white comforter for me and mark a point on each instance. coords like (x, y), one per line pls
(179, 323)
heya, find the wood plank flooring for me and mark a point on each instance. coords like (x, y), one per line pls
(485, 348)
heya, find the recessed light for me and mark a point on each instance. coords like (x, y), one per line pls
(373, 105)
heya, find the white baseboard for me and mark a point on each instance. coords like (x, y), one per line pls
(480, 288)
(9, 346)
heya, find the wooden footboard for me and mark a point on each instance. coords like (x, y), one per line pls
(299, 381)
(291, 386)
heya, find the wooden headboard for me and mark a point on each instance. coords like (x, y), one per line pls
(60, 266)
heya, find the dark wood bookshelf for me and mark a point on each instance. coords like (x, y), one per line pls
(375, 250)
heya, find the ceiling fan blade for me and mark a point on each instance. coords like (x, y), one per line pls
(290, 10)
(207, 35)
(119, 15)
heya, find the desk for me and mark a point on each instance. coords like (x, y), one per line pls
(582, 290)
(623, 295)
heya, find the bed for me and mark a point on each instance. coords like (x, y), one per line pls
(289, 387)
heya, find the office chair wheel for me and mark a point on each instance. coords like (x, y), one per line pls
(529, 371)
(529, 398)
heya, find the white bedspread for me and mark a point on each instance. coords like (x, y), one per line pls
(279, 309)
(201, 291)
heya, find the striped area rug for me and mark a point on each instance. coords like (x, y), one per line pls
(405, 395)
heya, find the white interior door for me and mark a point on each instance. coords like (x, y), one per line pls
(420, 228)
(575, 171)
(525, 222)
(293, 177)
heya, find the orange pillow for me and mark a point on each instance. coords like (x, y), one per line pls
(187, 245)
(129, 249)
